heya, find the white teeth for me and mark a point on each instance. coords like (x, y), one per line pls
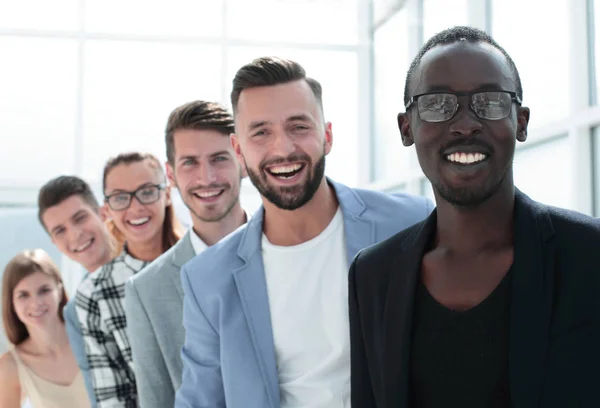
(466, 158)
(83, 247)
(285, 169)
(139, 221)
(38, 314)
(208, 194)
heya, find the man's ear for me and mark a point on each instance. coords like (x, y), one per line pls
(522, 123)
(405, 130)
(235, 144)
(170, 175)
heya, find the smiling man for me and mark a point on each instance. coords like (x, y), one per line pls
(202, 165)
(69, 212)
(266, 310)
(492, 301)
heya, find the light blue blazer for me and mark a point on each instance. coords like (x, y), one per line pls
(228, 354)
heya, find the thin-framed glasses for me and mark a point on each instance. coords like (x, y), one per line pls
(442, 106)
(146, 194)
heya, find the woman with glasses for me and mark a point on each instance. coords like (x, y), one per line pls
(40, 365)
(138, 205)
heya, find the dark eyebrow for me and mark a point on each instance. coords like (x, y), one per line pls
(220, 153)
(118, 190)
(444, 88)
(184, 158)
(257, 124)
(301, 117)
(78, 213)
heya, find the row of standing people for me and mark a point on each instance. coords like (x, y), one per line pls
(490, 299)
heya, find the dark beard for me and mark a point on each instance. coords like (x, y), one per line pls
(289, 198)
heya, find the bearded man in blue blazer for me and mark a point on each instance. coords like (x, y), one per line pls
(266, 309)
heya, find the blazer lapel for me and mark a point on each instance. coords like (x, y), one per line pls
(531, 303)
(182, 253)
(359, 232)
(399, 307)
(252, 289)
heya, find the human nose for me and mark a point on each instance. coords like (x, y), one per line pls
(206, 173)
(283, 144)
(465, 122)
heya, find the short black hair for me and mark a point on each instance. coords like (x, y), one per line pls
(452, 36)
(59, 189)
(269, 71)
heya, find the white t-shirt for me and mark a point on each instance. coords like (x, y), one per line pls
(307, 286)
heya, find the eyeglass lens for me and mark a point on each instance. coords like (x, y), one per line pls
(440, 107)
(145, 195)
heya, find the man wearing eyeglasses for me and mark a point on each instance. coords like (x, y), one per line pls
(493, 300)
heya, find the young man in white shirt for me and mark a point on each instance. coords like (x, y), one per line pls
(265, 310)
(203, 167)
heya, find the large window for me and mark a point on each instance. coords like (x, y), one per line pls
(131, 87)
(143, 17)
(441, 14)
(38, 105)
(39, 15)
(541, 56)
(544, 172)
(594, 30)
(392, 59)
(317, 22)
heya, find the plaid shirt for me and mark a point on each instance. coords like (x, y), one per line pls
(100, 309)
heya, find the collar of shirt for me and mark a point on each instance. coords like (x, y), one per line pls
(197, 242)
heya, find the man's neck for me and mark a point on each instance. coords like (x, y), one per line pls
(487, 226)
(287, 228)
(212, 232)
(93, 268)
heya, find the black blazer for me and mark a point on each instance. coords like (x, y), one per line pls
(554, 349)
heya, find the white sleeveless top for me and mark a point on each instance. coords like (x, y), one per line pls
(45, 394)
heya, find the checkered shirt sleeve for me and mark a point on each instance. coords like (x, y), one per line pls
(100, 309)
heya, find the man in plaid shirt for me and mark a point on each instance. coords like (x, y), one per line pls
(99, 303)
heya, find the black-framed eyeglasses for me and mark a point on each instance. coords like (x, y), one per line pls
(442, 106)
(147, 194)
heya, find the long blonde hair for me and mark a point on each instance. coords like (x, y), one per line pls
(26, 263)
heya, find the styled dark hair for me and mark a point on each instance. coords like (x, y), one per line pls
(26, 263)
(269, 71)
(199, 115)
(172, 228)
(454, 35)
(59, 189)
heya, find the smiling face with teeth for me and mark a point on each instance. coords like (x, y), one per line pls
(140, 224)
(467, 159)
(282, 140)
(206, 173)
(78, 231)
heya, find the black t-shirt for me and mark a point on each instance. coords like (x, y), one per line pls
(460, 359)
